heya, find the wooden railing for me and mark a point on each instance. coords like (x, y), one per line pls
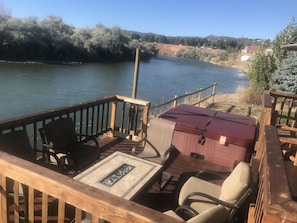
(274, 201)
(70, 195)
(192, 98)
(115, 114)
(284, 108)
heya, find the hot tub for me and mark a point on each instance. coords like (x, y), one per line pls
(216, 136)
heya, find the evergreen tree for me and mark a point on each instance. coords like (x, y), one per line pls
(285, 78)
(287, 36)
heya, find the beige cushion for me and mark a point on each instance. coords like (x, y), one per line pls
(217, 214)
(236, 183)
(194, 184)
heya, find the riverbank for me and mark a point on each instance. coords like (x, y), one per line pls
(214, 56)
(233, 103)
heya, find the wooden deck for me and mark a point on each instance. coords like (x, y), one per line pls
(95, 118)
(275, 202)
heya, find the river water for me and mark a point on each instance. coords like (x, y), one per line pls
(30, 88)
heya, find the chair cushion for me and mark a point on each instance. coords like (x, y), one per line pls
(194, 184)
(150, 154)
(236, 183)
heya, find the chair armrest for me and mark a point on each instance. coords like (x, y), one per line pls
(46, 146)
(188, 200)
(166, 154)
(186, 208)
(133, 150)
(89, 138)
(221, 175)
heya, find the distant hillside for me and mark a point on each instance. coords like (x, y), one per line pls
(213, 41)
(213, 55)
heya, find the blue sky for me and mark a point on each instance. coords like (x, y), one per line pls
(235, 18)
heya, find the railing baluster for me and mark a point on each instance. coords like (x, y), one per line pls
(31, 206)
(61, 211)
(35, 135)
(107, 118)
(44, 207)
(136, 119)
(97, 120)
(92, 120)
(78, 215)
(3, 200)
(102, 115)
(81, 122)
(16, 200)
(87, 110)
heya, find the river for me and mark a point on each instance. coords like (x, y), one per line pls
(29, 88)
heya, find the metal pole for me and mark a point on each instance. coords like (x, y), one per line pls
(136, 70)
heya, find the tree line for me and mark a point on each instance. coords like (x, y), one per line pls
(52, 40)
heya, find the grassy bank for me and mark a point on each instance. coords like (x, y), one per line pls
(233, 103)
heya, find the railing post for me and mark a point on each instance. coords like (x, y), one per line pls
(145, 120)
(175, 101)
(113, 117)
(200, 95)
(214, 91)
